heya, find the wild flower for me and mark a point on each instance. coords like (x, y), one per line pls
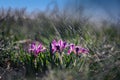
(80, 50)
(71, 48)
(58, 46)
(36, 48)
(77, 49)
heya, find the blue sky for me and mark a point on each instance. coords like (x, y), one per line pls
(31, 5)
(96, 8)
(41, 4)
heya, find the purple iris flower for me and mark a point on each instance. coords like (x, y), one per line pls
(71, 48)
(85, 51)
(36, 48)
(77, 49)
(58, 46)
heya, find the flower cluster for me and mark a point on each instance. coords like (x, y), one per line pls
(58, 46)
(61, 45)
